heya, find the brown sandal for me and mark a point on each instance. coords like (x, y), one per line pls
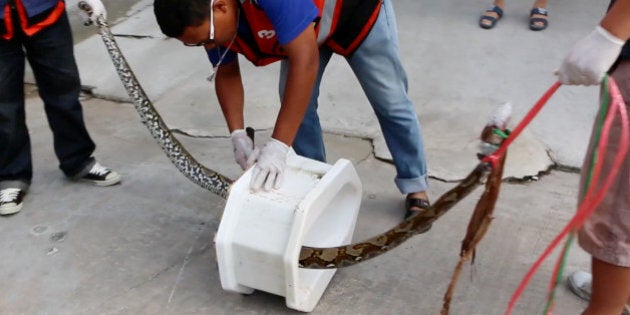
(411, 203)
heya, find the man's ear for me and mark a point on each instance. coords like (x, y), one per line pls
(221, 6)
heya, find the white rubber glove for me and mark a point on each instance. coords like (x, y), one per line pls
(97, 9)
(590, 58)
(245, 153)
(268, 171)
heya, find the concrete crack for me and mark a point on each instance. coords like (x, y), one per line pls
(200, 134)
(134, 36)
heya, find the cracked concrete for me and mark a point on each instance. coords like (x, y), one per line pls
(440, 106)
(145, 247)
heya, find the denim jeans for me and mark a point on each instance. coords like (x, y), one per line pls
(51, 56)
(377, 66)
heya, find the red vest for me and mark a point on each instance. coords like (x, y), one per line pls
(341, 25)
(29, 24)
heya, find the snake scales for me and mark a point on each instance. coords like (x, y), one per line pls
(343, 256)
(185, 163)
(310, 257)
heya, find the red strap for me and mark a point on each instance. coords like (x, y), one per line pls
(30, 30)
(494, 157)
(593, 197)
(8, 23)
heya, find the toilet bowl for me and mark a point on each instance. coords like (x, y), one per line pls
(260, 234)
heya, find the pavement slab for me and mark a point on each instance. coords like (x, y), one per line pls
(145, 246)
(455, 69)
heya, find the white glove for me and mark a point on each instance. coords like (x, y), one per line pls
(245, 153)
(268, 170)
(590, 58)
(97, 9)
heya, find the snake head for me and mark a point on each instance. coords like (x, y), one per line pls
(501, 116)
(494, 132)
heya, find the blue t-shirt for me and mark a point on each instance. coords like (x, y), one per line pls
(33, 7)
(289, 18)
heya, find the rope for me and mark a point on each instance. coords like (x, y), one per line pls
(494, 157)
(593, 197)
(558, 272)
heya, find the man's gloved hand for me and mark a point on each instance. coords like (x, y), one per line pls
(268, 171)
(590, 58)
(97, 9)
(245, 153)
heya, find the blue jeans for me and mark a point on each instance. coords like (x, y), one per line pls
(51, 56)
(377, 66)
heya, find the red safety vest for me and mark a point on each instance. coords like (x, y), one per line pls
(341, 25)
(29, 25)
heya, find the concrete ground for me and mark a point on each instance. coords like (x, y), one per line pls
(145, 246)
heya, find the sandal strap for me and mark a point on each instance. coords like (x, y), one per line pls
(541, 20)
(496, 10)
(417, 203)
(491, 19)
(541, 11)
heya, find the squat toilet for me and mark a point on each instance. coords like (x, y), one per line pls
(260, 234)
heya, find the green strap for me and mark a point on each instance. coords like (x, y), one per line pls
(603, 110)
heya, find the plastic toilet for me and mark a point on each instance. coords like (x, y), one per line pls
(261, 234)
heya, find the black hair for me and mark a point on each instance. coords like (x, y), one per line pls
(173, 16)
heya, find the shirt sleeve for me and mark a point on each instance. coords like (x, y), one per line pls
(289, 17)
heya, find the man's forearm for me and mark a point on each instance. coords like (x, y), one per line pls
(229, 89)
(298, 90)
(303, 65)
(617, 21)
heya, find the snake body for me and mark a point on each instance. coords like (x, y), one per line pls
(480, 220)
(491, 138)
(309, 257)
(348, 255)
(177, 154)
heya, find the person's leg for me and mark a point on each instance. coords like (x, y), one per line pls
(499, 3)
(604, 234)
(51, 55)
(540, 4)
(15, 153)
(309, 141)
(611, 289)
(377, 66)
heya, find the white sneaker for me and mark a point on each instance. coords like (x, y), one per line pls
(580, 283)
(11, 200)
(101, 176)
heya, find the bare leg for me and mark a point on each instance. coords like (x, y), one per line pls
(499, 3)
(611, 289)
(540, 4)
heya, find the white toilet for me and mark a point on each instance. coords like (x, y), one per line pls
(261, 234)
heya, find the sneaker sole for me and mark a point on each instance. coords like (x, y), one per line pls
(7, 210)
(103, 183)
